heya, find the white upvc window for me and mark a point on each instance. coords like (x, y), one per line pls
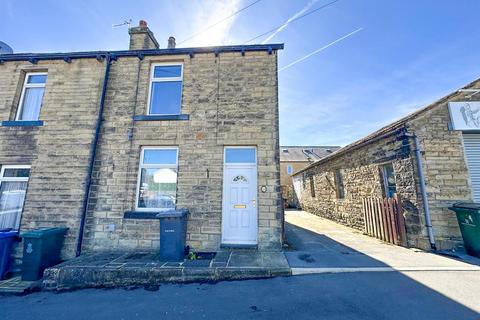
(13, 187)
(240, 155)
(165, 91)
(32, 96)
(157, 179)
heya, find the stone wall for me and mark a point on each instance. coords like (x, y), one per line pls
(445, 169)
(444, 166)
(288, 194)
(362, 178)
(58, 151)
(231, 100)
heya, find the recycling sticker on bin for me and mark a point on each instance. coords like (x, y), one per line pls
(29, 248)
(468, 220)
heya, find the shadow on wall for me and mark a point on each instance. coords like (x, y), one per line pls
(390, 294)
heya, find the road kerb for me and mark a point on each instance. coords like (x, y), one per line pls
(302, 271)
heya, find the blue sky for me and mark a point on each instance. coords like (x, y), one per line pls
(409, 52)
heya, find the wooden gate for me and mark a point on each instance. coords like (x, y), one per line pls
(384, 219)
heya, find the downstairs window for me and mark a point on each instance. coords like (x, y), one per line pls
(157, 179)
(13, 187)
(388, 180)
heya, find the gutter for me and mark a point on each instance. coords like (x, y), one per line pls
(68, 56)
(93, 152)
(423, 190)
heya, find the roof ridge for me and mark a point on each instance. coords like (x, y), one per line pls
(392, 127)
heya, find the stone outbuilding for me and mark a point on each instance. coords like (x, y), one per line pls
(100, 142)
(442, 139)
(293, 159)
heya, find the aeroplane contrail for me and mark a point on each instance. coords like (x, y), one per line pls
(320, 49)
(296, 15)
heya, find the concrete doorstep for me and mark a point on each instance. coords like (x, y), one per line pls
(110, 270)
(16, 286)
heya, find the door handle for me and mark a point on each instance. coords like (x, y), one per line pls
(254, 203)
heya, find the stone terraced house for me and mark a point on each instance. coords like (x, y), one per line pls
(293, 159)
(442, 137)
(100, 142)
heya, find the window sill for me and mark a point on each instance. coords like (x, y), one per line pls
(166, 117)
(145, 215)
(22, 123)
(155, 215)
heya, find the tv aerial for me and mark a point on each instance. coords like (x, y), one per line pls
(124, 23)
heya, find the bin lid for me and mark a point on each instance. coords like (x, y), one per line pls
(466, 205)
(8, 234)
(179, 213)
(42, 232)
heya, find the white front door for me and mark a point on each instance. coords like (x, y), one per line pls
(239, 214)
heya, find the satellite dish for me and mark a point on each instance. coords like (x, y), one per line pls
(5, 48)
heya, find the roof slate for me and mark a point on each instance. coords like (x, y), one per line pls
(305, 153)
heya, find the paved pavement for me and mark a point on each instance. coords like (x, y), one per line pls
(117, 269)
(321, 244)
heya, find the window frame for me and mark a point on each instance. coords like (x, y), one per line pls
(384, 179)
(13, 166)
(30, 85)
(141, 166)
(289, 169)
(16, 179)
(339, 181)
(312, 186)
(225, 163)
(152, 79)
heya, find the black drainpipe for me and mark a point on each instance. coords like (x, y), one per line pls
(93, 152)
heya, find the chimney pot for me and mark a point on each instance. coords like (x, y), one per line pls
(171, 43)
(141, 37)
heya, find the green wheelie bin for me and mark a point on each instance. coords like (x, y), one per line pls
(468, 216)
(41, 249)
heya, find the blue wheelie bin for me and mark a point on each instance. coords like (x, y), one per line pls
(6, 240)
(173, 234)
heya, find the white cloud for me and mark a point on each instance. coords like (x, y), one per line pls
(295, 16)
(206, 14)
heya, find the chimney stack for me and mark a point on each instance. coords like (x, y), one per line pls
(141, 37)
(171, 43)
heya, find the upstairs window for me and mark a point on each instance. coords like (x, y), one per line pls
(388, 180)
(165, 95)
(157, 179)
(32, 97)
(340, 188)
(13, 187)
